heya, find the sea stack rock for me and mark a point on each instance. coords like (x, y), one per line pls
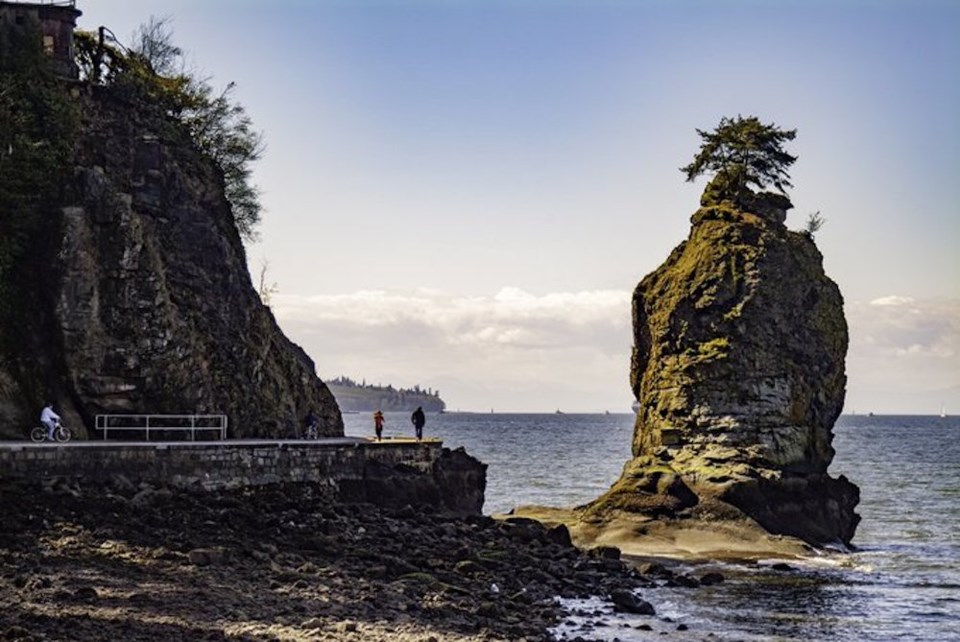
(738, 368)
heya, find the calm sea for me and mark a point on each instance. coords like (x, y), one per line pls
(902, 582)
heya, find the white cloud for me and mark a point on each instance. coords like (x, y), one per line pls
(518, 351)
(513, 350)
(904, 354)
(892, 300)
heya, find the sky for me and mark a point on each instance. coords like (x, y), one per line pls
(462, 194)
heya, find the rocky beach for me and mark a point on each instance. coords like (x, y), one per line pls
(288, 563)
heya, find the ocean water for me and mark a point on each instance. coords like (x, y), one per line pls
(901, 583)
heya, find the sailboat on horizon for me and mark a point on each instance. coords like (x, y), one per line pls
(943, 411)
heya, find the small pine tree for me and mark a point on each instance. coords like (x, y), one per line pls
(814, 223)
(746, 152)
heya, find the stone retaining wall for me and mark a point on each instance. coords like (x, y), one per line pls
(211, 466)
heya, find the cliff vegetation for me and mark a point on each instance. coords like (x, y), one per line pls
(124, 287)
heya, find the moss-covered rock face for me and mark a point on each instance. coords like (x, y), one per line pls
(738, 367)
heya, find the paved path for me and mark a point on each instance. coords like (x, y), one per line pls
(276, 443)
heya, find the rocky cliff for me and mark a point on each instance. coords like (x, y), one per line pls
(146, 303)
(738, 368)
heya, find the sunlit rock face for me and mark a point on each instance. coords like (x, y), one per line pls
(151, 308)
(738, 368)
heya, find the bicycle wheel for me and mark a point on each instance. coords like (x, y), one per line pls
(63, 434)
(38, 434)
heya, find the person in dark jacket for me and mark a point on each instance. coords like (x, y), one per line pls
(418, 420)
(311, 422)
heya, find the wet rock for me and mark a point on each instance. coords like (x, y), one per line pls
(605, 552)
(710, 579)
(684, 581)
(625, 601)
(559, 535)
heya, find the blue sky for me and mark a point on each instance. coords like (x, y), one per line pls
(462, 194)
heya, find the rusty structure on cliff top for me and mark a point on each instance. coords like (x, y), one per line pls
(56, 21)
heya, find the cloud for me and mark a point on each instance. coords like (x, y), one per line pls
(902, 327)
(892, 300)
(514, 350)
(903, 353)
(519, 351)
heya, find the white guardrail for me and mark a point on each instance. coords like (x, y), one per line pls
(146, 423)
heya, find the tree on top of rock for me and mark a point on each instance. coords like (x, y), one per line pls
(745, 152)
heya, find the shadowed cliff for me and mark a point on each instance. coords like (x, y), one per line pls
(126, 288)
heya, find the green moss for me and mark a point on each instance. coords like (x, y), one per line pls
(420, 578)
(717, 348)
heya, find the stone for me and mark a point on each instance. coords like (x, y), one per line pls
(710, 579)
(738, 370)
(560, 535)
(625, 601)
(86, 593)
(205, 556)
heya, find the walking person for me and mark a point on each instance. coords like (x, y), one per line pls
(378, 424)
(50, 419)
(311, 422)
(418, 420)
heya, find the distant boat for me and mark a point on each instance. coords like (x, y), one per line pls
(943, 410)
(558, 412)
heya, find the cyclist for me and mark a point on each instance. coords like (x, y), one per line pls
(50, 419)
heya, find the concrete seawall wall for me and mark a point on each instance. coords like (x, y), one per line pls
(383, 473)
(210, 465)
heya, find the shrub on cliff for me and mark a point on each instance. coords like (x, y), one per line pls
(153, 71)
(744, 152)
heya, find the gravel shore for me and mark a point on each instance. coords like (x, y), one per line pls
(283, 563)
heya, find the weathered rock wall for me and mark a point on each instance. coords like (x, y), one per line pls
(738, 367)
(385, 474)
(153, 310)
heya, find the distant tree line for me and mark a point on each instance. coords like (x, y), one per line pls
(361, 396)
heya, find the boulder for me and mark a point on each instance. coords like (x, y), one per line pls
(625, 601)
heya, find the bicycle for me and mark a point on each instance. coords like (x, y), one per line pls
(61, 433)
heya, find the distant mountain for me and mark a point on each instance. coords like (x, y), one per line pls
(352, 396)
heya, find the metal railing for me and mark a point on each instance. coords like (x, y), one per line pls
(49, 3)
(159, 423)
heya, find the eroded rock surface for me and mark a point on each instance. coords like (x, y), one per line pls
(738, 367)
(149, 306)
